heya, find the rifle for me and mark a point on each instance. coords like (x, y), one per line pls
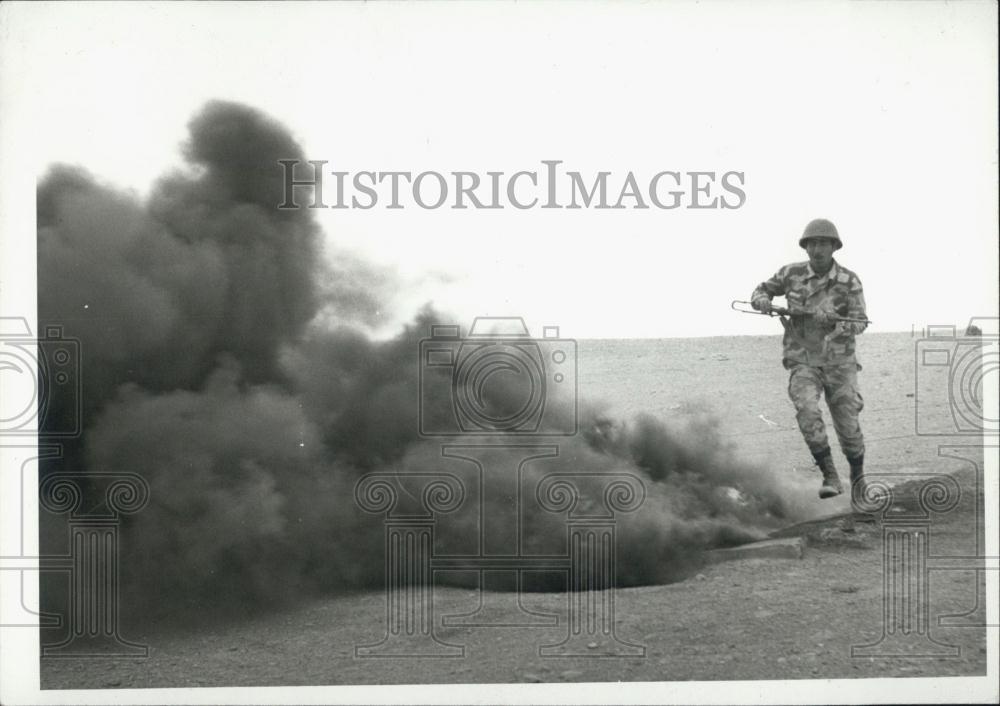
(741, 306)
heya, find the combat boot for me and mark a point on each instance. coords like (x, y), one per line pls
(831, 481)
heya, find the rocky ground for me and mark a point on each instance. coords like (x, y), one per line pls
(750, 618)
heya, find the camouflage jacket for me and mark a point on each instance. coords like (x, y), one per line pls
(838, 292)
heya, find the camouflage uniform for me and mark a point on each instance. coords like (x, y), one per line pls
(821, 358)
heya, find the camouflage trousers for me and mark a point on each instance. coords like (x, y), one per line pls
(839, 384)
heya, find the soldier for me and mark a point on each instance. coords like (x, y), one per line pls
(819, 352)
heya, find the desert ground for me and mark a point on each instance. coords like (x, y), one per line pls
(751, 618)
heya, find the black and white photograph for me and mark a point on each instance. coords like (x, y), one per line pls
(499, 352)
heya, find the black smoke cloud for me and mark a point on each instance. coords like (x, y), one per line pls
(222, 361)
(206, 266)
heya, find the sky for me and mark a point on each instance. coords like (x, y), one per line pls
(879, 116)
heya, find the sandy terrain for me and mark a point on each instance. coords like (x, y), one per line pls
(746, 619)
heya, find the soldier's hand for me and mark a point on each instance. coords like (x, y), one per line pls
(762, 304)
(823, 318)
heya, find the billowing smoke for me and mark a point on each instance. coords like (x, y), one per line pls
(223, 361)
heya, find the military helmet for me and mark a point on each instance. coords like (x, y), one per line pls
(821, 228)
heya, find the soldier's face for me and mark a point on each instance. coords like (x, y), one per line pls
(820, 252)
